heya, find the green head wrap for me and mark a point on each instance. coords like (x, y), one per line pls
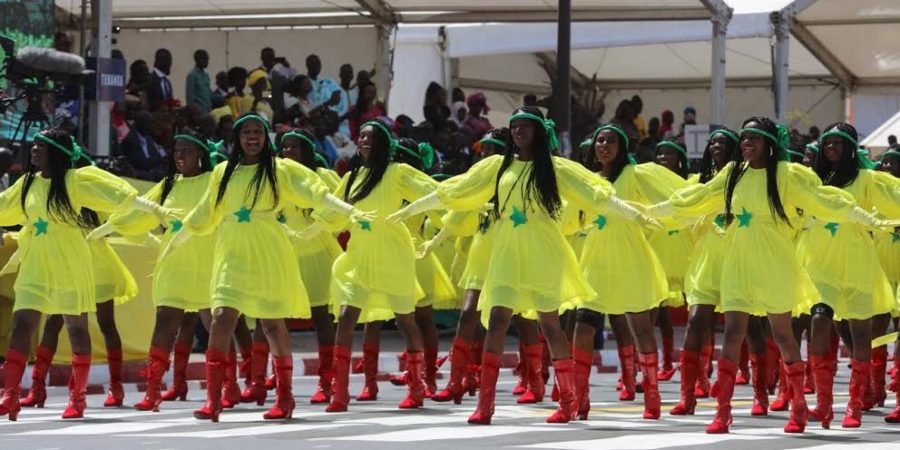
(781, 141)
(490, 140)
(75, 152)
(893, 153)
(795, 154)
(300, 136)
(441, 176)
(211, 148)
(585, 143)
(862, 155)
(258, 118)
(813, 147)
(676, 146)
(725, 133)
(618, 130)
(392, 143)
(549, 127)
(424, 152)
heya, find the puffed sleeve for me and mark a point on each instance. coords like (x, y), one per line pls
(702, 199)
(657, 183)
(883, 191)
(571, 219)
(461, 223)
(805, 191)
(136, 222)
(472, 189)
(207, 214)
(299, 185)
(585, 189)
(331, 220)
(329, 177)
(102, 191)
(413, 184)
(11, 212)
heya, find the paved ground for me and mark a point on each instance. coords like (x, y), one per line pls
(379, 425)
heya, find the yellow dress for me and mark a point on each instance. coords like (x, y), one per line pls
(377, 273)
(54, 277)
(841, 259)
(182, 279)
(112, 280)
(329, 177)
(703, 276)
(254, 267)
(574, 228)
(617, 259)
(887, 245)
(444, 251)
(430, 274)
(532, 267)
(674, 246)
(760, 270)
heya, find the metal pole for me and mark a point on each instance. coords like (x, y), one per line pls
(82, 44)
(782, 40)
(102, 46)
(564, 76)
(717, 88)
(383, 63)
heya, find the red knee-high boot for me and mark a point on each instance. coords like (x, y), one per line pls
(703, 388)
(743, 377)
(534, 374)
(668, 349)
(490, 370)
(626, 360)
(38, 393)
(782, 400)
(81, 367)
(430, 371)
(760, 389)
(284, 397)
(415, 392)
(179, 389)
(894, 416)
(244, 370)
(370, 369)
(473, 370)
(775, 376)
(116, 391)
(215, 375)
(649, 368)
(521, 370)
(231, 391)
(810, 386)
(565, 379)
(877, 374)
(725, 379)
(256, 391)
(690, 371)
(157, 365)
(895, 381)
(459, 358)
(13, 369)
(340, 386)
(582, 381)
(859, 378)
(799, 412)
(824, 379)
(326, 363)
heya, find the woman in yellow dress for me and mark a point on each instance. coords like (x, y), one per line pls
(842, 262)
(114, 285)
(673, 247)
(476, 223)
(888, 246)
(53, 276)
(254, 268)
(364, 286)
(315, 255)
(622, 268)
(181, 280)
(761, 274)
(702, 282)
(526, 187)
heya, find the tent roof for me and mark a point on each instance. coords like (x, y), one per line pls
(877, 141)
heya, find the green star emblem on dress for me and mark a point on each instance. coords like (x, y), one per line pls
(832, 227)
(673, 232)
(365, 225)
(177, 225)
(895, 237)
(720, 220)
(518, 217)
(600, 221)
(41, 226)
(243, 215)
(744, 218)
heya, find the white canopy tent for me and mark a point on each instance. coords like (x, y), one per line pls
(877, 140)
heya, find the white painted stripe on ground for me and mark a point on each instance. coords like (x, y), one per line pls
(439, 433)
(100, 429)
(809, 431)
(400, 420)
(613, 424)
(215, 432)
(641, 442)
(856, 446)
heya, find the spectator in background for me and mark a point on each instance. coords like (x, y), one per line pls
(299, 103)
(138, 83)
(624, 118)
(313, 70)
(457, 95)
(277, 81)
(197, 89)
(458, 113)
(141, 151)
(6, 163)
(349, 94)
(637, 104)
(530, 100)
(892, 140)
(436, 110)
(653, 129)
(363, 77)
(690, 116)
(366, 109)
(237, 79)
(256, 102)
(218, 95)
(224, 133)
(668, 121)
(159, 93)
(477, 104)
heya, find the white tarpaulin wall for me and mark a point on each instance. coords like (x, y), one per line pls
(877, 140)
